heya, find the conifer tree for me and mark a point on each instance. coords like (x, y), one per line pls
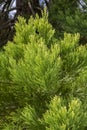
(38, 72)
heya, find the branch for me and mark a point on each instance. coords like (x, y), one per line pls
(7, 11)
(29, 5)
(7, 3)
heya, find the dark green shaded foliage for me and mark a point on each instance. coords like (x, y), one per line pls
(69, 16)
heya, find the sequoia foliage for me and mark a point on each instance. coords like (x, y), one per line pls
(43, 80)
(69, 16)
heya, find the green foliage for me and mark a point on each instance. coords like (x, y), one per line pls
(69, 16)
(34, 27)
(59, 116)
(25, 119)
(28, 45)
(65, 117)
(33, 69)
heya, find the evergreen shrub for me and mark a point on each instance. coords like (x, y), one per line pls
(43, 81)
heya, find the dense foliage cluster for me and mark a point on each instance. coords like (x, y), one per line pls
(69, 16)
(43, 80)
